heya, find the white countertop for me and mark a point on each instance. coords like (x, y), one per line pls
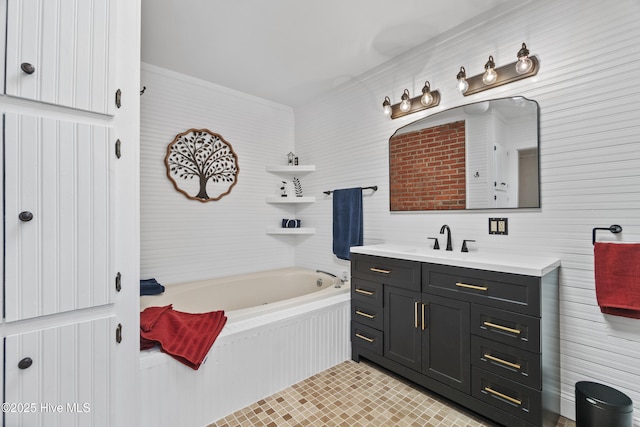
(503, 262)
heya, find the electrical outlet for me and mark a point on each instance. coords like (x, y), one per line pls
(499, 226)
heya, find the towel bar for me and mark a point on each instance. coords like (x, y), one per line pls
(373, 187)
(615, 229)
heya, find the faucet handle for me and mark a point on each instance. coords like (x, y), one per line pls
(464, 245)
(436, 245)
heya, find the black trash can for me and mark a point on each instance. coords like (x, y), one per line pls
(598, 405)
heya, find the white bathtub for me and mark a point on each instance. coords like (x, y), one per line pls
(282, 328)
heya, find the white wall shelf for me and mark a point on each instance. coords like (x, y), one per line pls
(301, 230)
(290, 200)
(290, 171)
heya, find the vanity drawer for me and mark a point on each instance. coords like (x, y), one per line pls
(366, 338)
(513, 329)
(510, 362)
(390, 271)
(367, 292)
(516, 399)
(512, 292)
(367, 314)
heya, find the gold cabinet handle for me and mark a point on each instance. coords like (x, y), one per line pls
(415, 314)
(423, 324)
(502, 361)
(367, 339)
(367, 315)
(379, 270)
(503, 396)
(363, 292)
(477, 288)
(502, 328)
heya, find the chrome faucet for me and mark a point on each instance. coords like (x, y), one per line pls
(442, 229)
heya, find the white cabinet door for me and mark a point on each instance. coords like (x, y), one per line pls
(58, 210)
(66, 44)
(67, 382)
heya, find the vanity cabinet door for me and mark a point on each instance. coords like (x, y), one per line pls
(446, 341)
(402, 333)
(58, 52)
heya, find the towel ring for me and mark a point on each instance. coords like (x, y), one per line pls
(615, 229)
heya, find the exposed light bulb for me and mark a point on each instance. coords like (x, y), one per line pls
(405, 104)
(490, 76)
(524, 64)
(462, 85)
(386, 106)
(426, 98)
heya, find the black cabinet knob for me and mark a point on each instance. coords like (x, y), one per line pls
(27, 68)
(25, 216)
(25, 363)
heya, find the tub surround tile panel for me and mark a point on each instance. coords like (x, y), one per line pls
(182, 239)
(589, 160)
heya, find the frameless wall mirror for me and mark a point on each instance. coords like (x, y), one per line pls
(477, 156)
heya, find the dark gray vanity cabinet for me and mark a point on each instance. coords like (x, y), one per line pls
(487, 340)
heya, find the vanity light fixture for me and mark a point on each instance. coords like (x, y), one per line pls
(462, 85)
(525, 66)
(408, 105)
(405, 103)
(490, 76)
(386, 106)
(426, 98)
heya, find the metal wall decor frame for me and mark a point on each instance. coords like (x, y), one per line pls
(199, 163)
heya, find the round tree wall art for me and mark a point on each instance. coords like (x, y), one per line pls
(201, 165)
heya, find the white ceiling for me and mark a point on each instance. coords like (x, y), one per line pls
(289, 51)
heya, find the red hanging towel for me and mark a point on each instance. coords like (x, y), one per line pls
(187, 337)
(617, 274)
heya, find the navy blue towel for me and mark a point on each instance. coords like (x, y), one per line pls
(150, 287)
(347, 221)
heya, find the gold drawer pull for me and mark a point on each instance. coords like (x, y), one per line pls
(379, 270)
(367, 315)
(363, 292)
(502, 361)
(504, 396)
(423, 325)
(415, 314)
(502, 328)
(477, 288)
(367, 339)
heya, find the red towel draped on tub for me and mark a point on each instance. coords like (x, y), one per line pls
(187, 337)
(617, 274)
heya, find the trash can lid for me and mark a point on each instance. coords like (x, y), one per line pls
(607, 397)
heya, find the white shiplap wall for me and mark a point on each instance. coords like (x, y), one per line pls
(589, 53)
(184, 239)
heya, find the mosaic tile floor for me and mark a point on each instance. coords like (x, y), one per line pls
(351, 395)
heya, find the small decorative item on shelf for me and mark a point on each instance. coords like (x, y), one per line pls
(297, 186)
(291, 158)
(291, 223)
(283, 189)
